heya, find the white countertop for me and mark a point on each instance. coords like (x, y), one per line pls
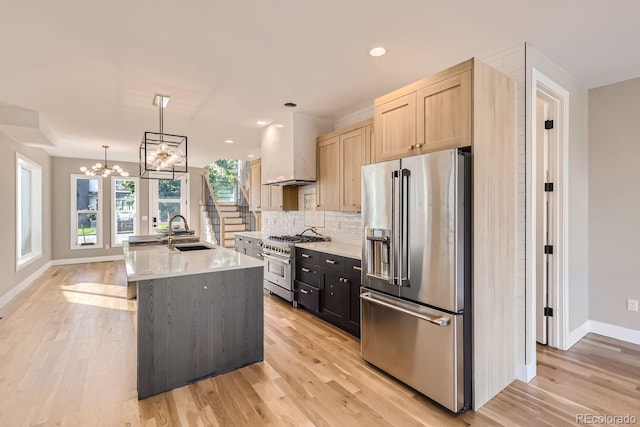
(335, 248)
(253, 234)
(157, 261)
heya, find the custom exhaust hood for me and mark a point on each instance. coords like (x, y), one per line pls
(289, 149)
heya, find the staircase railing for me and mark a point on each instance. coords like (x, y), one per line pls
(242, 202)
(216, 221)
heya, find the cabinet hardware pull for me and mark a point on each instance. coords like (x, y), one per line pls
(418, 145)
(411, 147)
(304, 291)
(329, 261)
(305, 256)
(355, 267)
(306, 270)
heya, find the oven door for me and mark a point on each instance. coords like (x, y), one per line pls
(278, 270)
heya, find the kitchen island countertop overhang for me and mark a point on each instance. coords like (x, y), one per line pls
(157, 261)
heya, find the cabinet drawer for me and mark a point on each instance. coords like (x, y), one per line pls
(353, 267)
(306, 255)
(307, 296)
(332, 262)
(308, 273)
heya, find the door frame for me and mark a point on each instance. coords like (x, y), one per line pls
(153, 199)
(558, 292)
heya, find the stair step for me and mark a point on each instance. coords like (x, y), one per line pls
(229, 243)
(226, 204)
(232, 220)
(229, 214)
(235, 227)
(227, 208)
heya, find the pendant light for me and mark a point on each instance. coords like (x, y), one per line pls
(162, 155)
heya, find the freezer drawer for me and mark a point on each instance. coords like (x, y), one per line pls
(420, 346)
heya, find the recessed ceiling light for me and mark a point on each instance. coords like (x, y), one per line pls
(290, 104)
(261, 123)
(377, 51)
(278, 125)
(250, 156)
(165, 100)
(229, 141)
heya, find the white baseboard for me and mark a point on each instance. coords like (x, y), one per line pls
(23, 284)
(577, 334)
(525, 373)
(617, 332)
(68, 261)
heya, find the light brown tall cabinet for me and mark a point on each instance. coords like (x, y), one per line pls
(470, 104)
(340, 156)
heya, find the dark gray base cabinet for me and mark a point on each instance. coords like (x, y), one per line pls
(329, 286)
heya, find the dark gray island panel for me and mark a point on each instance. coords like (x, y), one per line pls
(195, 326)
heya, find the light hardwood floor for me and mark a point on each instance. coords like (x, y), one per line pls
(68, 357)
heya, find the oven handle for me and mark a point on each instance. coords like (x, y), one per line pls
(272, 258)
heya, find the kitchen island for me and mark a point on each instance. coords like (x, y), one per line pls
(200, 313)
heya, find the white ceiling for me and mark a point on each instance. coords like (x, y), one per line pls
(91, 68)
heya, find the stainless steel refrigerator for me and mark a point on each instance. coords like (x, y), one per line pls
(416, 273)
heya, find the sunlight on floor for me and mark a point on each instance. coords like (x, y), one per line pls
(98, 295)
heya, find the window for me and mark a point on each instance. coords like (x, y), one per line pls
(124, 203)
(167, 197)
(28, 211)
(86, 212)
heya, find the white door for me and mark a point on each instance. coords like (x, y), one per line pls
(167, 197)
(125, 209)
(546, 179)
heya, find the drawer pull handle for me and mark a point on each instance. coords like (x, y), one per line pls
(355, 267)
(418, 145)
(305, 256)
(306, 270)
(304, 291)
(329, 261)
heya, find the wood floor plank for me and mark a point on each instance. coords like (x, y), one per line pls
(68, 357)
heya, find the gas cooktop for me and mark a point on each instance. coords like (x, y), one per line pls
(298, 238)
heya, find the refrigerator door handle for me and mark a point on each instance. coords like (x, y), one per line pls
(439, 321)
(403, 177)
(394, 235)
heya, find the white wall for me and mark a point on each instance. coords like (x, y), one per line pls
(614, 203)
(12, 281)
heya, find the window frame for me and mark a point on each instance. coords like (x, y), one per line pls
(114, 214)
(35, 193)
(74, 213)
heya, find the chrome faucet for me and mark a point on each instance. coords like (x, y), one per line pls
(186, 227)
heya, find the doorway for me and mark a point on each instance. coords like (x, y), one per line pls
(167, 197)
(549, 208)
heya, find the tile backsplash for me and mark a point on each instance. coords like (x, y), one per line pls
(344, 227)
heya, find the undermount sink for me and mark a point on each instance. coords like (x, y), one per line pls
(195, 247)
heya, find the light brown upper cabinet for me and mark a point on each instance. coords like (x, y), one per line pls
(352, 157)
(444, 114)
(255, 185)
(328, 175)
(279, 198)
(369, 138)
(429, 115)
(395, 123)
(340, 156)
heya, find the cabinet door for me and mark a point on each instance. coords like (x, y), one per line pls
(369, 139)
(334, 296)
(395, 123)
(255, 187)
(444, 114)
(328, 175)
(239, 244)
(265, 197)
(276, 198)
(352, 157)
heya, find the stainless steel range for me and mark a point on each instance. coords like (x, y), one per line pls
(278, 252)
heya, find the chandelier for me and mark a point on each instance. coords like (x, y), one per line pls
(162, 155)
(103, 169)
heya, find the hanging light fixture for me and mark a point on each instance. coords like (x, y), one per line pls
(162, 155)
(103, 169)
